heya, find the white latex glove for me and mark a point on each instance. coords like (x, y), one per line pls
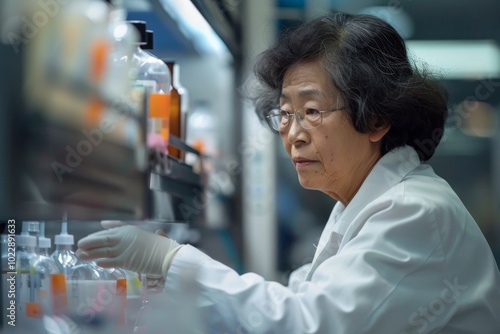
(156, 283)
(128, 247)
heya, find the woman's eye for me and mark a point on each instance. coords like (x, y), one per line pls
(284, 113)
(311, 111)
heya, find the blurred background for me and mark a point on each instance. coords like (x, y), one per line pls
(254, 215)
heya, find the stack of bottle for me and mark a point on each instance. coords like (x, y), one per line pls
(59, 284)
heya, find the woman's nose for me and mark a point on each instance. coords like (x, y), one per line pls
(294, 131)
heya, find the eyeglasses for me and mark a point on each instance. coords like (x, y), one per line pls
(308, 118)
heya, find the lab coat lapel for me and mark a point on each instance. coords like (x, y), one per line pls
(329, 241)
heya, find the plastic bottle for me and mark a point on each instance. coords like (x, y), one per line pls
(68, 262)
(82, 277)
(114, 273)
(116, 283)
(44, 267)
(154, 77)
(63, 255)
(125, 38)
(152, 73)
(25, 277)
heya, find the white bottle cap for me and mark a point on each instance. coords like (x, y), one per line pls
(44, 242)
(64, 238)
(31, 227)
(25, 240)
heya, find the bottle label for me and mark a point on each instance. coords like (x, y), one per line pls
(149, 85)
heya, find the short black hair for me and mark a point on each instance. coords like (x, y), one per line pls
(367, 61)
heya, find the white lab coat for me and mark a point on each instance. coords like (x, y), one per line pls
(405, 256)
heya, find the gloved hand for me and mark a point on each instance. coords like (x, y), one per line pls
(128, 247)
(156, 283)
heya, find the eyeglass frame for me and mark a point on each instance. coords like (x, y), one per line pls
(288, 115)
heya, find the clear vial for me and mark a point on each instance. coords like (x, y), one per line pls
(26, 283)
(63, 255)
(44, 266)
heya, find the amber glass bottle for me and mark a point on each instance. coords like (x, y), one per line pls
(175, 109)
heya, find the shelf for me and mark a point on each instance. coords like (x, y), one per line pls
(52, 176)
(176, 190)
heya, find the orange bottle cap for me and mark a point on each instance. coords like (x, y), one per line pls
(33, 310)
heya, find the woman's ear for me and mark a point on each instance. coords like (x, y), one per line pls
(379, 132)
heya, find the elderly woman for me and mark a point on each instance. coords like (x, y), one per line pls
(399, 254)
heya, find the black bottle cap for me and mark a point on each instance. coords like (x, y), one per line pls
(150, 41)
(169, 61)
(141, 28)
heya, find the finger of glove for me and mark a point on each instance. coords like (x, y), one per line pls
(99, 239)
(107, 224)
(109, 263)
(153, 282)
(98, 253)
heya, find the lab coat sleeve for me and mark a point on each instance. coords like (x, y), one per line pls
(382, 281)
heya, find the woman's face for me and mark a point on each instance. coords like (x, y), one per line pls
(333, 158)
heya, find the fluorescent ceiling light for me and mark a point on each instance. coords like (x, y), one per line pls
(458, 59)
(194, 26)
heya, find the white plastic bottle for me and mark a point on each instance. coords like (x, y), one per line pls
(68, 262)
(82, 277)
(63, 255)
(44, 266)
(25, 278)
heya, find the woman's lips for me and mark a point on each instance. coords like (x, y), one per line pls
(302, 162)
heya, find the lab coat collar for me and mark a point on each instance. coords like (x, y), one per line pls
(387, 172)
